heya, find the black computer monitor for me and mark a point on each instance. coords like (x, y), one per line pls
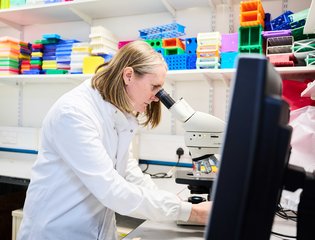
(254, 156)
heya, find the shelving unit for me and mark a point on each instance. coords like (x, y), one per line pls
(91, 10)
(292, 73)
(88, 10)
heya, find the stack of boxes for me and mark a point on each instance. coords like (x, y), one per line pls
(25, 56)
(103, 46)
(63, 53)
(36, 59)
(102, 41)
(252, 17)
(9, 56)
(279, 48)
(286, 43)
(165, 40)
(191, 52)
(49, 41)
(174, 53)
(229, 50)
(208, 50)
(78, 53)
(179, 54)
(51, 55)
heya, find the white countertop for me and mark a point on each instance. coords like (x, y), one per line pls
(151, 230)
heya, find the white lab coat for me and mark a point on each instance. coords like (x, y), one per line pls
(83, 174)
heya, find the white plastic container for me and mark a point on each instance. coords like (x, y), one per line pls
(17, 216)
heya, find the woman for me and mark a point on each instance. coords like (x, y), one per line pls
(83, 174)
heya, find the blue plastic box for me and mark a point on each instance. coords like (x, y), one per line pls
(191, 45)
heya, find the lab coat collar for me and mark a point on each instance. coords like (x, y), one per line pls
(123, 121)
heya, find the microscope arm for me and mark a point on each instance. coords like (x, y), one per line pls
(203, 132)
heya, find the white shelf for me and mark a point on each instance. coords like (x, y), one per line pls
(292, 73)
(88, 10)
(200, 75)
(49, 78)
(296, 73)
(77, 10)
(226, 75)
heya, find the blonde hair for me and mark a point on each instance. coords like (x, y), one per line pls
(109, 81)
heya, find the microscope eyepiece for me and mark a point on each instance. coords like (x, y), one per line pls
(165, 98)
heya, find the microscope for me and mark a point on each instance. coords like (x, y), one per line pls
(203, 137)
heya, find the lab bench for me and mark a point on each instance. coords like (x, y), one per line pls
(152, 230)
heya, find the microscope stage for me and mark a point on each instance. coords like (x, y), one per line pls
(187, 177)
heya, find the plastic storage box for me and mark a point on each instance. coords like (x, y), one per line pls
(176, 62)
(191, 45)
(277, 45)
(229, 42)
(155, 43)
(17, 216)
(91, 63)
(172, 30)
(228, 59)
(210, 38)
(281, 22)
(250, 39)
(173, 43)
(251, 14)
(208, 63)
(310, 59)
(303, 47)
(282, 60)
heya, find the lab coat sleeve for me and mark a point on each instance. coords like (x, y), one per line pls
(135, 175)
(77, 140)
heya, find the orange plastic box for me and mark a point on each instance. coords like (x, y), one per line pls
(251, 14)
(249, 19)
(252, 6)
(208, 54)
(208, 48)
(173, 42)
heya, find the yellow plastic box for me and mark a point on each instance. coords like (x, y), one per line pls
(91, 63)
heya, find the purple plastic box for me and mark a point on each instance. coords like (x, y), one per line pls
(278, 33)
(229, 42)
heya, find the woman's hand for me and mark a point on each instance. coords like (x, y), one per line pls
(200, 213)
